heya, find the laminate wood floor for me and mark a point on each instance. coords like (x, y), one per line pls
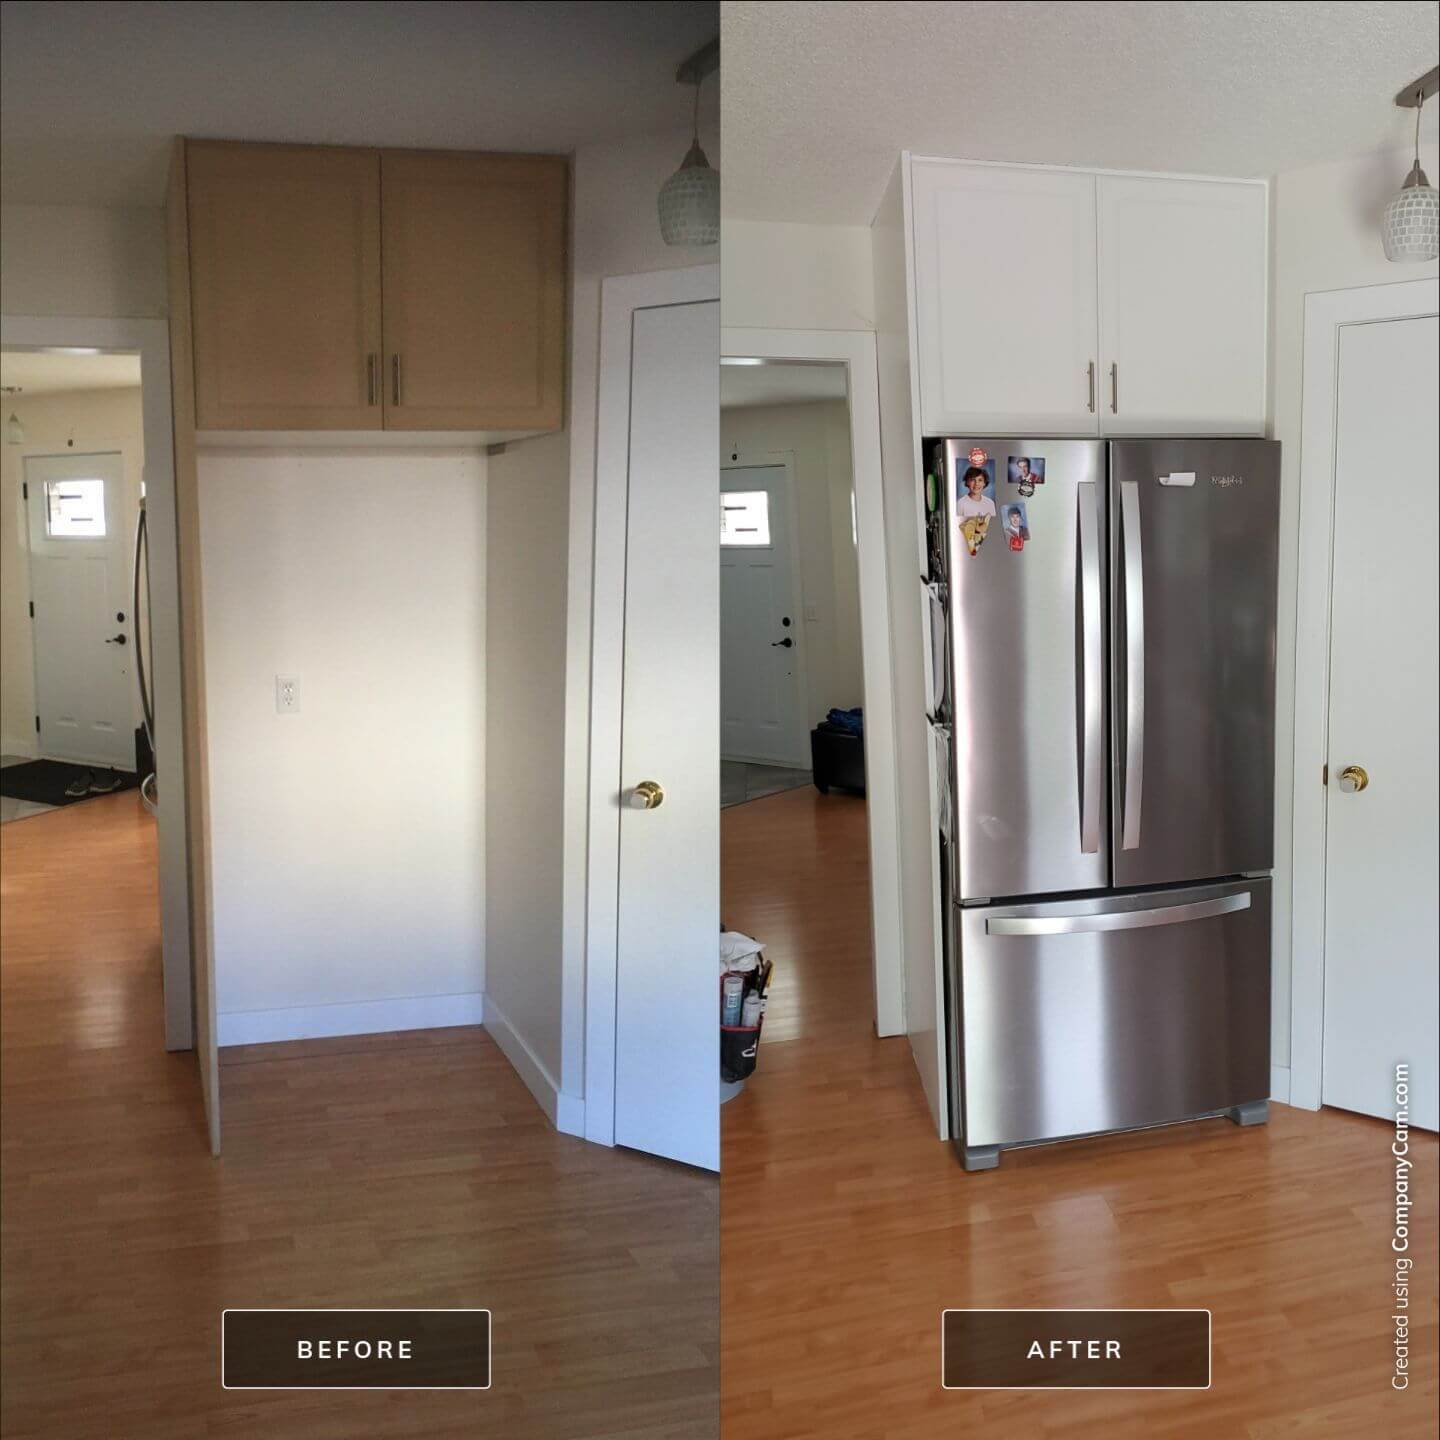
(397, 1170)
(847, 1227)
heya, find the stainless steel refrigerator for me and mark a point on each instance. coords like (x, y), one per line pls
(1102, 715)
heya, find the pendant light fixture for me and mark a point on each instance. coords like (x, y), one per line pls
(690, 198)
(1411, 230)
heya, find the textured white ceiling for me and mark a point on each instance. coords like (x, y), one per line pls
(744, 386)
(91, 93)
(819, 99)
(42, 373)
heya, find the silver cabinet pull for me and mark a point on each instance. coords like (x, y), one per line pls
(1090, 368)
(1134, 661)
(395, 378)
(371, 390)
(1117, 919)
(1114, 389)
(1091, 697)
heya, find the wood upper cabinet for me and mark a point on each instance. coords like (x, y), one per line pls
(473, 251)
(285, 286)
(1182, 305)
(354, 289)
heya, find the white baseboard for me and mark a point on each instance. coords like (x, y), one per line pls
(16, 745)
(565, 1112)
(359, 1017)
(1280, 1083)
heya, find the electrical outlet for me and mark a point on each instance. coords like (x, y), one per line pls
(287, 695)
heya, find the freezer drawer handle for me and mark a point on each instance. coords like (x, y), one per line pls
(1118, 919)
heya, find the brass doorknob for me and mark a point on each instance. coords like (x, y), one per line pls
(647, 795)
(1353, 779)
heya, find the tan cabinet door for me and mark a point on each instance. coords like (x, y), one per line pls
(285, 286)
(474, 266)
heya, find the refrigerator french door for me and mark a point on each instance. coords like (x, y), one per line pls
(1110, 624)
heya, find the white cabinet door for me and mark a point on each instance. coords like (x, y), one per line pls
(1182, 306)
(1005, 298)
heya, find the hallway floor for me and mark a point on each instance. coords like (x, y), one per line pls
(847, 1226)
(402, 1170)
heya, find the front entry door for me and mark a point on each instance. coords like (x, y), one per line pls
(762, 711)
(1381, 852)
(667, 1034)
(80, 535)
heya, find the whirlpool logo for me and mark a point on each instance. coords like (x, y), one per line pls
(1225, 482)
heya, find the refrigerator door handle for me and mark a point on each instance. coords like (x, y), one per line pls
(1134, 662)
(1117, 919)
(1092, 700)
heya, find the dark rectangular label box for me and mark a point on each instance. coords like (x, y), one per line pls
(355, 1349)
(1075, 1349)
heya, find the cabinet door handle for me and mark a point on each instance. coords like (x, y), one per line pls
(1091, 369)
(371, 365)
(395, 378)
(1114, 389)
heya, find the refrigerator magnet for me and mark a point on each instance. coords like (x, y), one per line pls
(1026, 471)
(979, 457)
(1016, 524)
(975, 504)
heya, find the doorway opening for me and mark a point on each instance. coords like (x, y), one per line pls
(795, 834)
(74, 599)
(86, 608)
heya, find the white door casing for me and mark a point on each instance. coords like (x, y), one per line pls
(652, 1062)
(79, 590)
(1331, 513)
(1382, 943)
(762, 680)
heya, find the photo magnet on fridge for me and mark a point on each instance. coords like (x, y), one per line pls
(1026, 471)
(975, 502)
(1016, 524)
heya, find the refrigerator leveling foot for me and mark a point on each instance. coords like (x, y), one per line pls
(1252, 1112)
(979, 1157)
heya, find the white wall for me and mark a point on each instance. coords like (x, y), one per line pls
(796, 277)
(80, 260)
(66, 421)
(1325, 236)
(348, 839)
(526, 536)
(817, 437)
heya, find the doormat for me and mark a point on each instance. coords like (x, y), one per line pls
(43, 782)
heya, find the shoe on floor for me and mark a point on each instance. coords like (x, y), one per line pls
(105, 784)
(80, 785)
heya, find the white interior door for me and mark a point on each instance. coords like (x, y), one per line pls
(80, 537)
(762, 705)
(667, 1021)
(1381, 851)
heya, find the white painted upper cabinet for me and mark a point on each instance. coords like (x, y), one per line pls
(1067, 302)
(1006, 317)
(1182, 306)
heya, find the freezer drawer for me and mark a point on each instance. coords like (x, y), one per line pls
(1111, 1013)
